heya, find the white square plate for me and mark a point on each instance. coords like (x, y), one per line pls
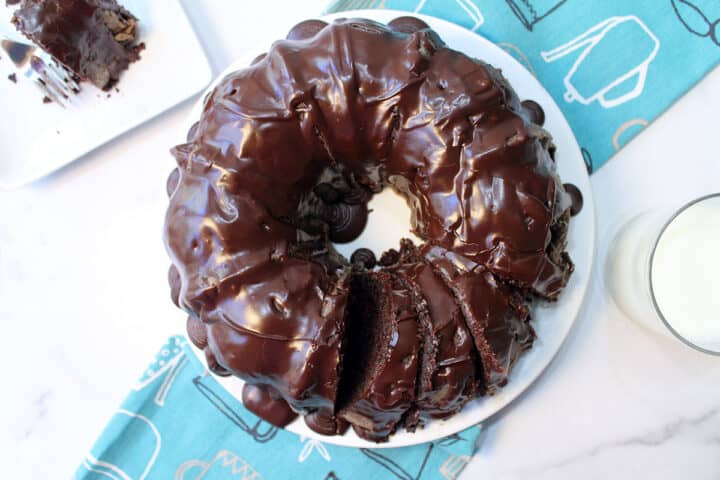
(38, 138)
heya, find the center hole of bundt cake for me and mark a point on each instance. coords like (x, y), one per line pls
(388, 222)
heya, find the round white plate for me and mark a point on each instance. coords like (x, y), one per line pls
(390, 221)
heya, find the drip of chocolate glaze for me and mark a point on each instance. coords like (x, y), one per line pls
(364, 258)
(306, 29)
(267, 404)
(534, 112)
(192, 131)
(258, 59)
(174, 282)
(214, 366)
(346, 221)
(172, 182)
(326, 424)
(196, 332)
(576, 198)
(407, 25)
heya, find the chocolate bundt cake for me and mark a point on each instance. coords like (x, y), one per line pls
(282, 163)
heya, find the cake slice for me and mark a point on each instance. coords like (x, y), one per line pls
(94, 39)
(381, 357)
(495, 313)
(403, 267)
(450, 378)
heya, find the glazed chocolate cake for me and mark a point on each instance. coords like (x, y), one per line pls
(282, 163)
(94, 39)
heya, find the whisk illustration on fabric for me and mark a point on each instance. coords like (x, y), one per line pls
(607, 70)
(700, 17)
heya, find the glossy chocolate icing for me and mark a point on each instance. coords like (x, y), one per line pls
(495, 313)
(326, 424)
(364, 258)
(390, 393)
(284, 159)
(534, 112)
(576, 198)
(450, 381)
(92, 38)
(267, 404)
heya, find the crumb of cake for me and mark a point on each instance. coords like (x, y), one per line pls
(47, 99)
(12, 77)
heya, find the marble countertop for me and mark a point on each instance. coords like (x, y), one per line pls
(83, 303)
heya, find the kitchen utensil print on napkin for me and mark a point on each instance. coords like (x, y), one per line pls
(612, 66)
(700, 17)
(178, 423)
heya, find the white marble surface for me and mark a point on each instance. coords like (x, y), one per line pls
(83, 303)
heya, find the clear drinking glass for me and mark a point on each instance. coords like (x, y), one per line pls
(663, 272)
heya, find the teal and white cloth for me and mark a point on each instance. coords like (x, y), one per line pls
(178, 423)
(612, 65)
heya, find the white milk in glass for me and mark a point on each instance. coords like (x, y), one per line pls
(667, 278)
(685, 274)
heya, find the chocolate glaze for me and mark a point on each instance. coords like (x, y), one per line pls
(494, 313)
(379, 409)
(407, 25)
(172, 182)
(327, 193)
(326, 424)
(249, 232)
(389, 257)
(192, 131)
(364, 257)
(267, 404)
(534, 112)
(346, 221)
(174, 282)
(576, 198)
(196, 331)
(450, 380)
(306, 29)
(92, 38)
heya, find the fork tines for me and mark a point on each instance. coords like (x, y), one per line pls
(55, 81)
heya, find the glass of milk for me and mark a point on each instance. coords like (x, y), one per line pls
(664, 272)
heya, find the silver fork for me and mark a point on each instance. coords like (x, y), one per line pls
(54, 80)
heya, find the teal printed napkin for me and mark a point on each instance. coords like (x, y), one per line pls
(178, 423)
(612, 65)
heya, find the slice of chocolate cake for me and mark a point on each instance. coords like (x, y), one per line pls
(495, 314)
(404, 272)
(450, 378)
(94, 39)
(381, 358)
